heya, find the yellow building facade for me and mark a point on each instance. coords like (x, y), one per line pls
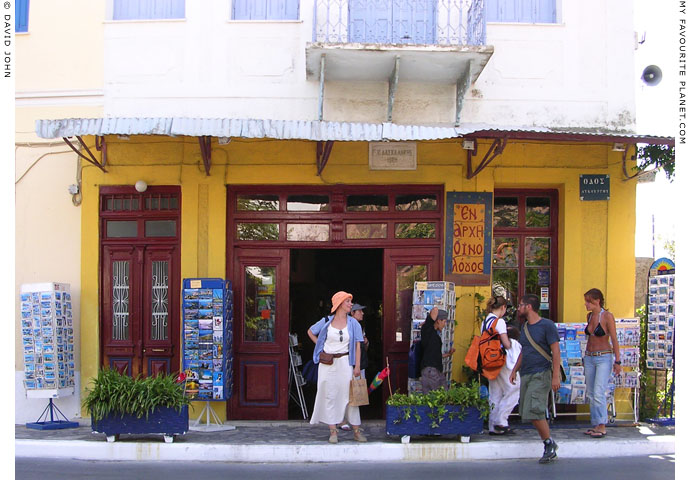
(595, 238)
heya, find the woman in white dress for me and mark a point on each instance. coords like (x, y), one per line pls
(340, 335)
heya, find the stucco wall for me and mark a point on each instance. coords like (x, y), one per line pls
(576, 73)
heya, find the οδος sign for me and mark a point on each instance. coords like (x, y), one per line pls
(595, 187)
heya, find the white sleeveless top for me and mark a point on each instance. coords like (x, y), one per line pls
(333, 343)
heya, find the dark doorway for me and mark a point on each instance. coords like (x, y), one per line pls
(315, 275)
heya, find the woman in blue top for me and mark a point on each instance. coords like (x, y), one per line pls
(602, 347)
(340, 335)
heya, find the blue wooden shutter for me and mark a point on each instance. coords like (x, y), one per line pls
(523, 11)
(414, 22)
(147, 9)
(357, 21)
(265, 10)
(21, 16)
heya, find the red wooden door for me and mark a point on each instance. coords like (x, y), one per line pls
(402, 267)
(260, 343)
(140, 314)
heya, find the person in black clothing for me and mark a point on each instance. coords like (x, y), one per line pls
(432, 366)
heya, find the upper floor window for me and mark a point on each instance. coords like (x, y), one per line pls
(521, 11)
(265, 9)
(147, 9)
(21, 16)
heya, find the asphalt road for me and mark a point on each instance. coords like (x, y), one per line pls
(653, 467)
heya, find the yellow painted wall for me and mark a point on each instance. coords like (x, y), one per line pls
(596, 239)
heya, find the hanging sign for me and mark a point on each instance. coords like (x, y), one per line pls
(468, 238)
(595, 187)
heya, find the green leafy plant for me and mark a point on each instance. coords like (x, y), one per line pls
(117, 394)
(467, 396)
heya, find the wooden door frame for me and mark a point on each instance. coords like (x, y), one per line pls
(263, 353)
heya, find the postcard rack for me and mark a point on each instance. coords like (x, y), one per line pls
(296, 377)
(572, 392)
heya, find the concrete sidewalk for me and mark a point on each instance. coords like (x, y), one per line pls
(297, 441)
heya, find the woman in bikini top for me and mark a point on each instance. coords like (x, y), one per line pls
(602, 348)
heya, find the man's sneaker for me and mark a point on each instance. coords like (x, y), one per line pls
(550, 448)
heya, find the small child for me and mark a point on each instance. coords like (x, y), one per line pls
(508, 394)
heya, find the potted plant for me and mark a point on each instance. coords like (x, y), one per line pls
(460, 410)
(143, 405)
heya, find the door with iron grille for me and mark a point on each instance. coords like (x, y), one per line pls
(140, 280)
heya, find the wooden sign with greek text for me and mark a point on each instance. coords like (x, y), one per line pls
(468, 238)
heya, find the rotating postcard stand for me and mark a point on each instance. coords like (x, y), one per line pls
(207, 348)
(48, 347)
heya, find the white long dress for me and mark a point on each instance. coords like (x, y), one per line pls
(333, 388)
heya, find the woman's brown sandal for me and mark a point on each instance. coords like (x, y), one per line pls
(334, 437)
(359, 436)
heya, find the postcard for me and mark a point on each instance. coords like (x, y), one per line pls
(191, 304)
(577, 395)
(191, 293)
(191, 314)
(205, 354)
(205, 314)
(205, 375)
(218, 351)
(205, 303)
(217, 364)
(205, 336)
(218, 336)
(217, 392)
(217, 322)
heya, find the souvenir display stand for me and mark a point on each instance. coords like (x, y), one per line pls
(661, 302)
(426, 296)
(573, 343)
(207, 347)
(48, 346)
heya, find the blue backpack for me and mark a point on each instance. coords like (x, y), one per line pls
(414, 360)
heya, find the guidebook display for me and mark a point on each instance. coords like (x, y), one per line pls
(573, 343)
(207, 330)
(47, 339)
(661, 322)
(426, 296)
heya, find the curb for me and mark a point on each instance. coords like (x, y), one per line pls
(371, 452)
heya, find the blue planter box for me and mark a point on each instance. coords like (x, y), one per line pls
(471, 422)
(165, 421)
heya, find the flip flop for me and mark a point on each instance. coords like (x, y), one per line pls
(497, 433)
(589, 431)
(596, 434)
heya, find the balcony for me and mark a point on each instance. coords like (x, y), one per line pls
(439, 41)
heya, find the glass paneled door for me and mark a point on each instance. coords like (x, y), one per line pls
(140, 309)
(260, 343)
(402, 267)
(140, 279)
(525, 246)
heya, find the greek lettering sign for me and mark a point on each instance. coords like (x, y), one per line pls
(595, 187)
(392, 156)
(468, 238)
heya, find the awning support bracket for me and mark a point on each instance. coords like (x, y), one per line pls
(205, 146)
(463, 85)
(393, 87)
(322, 75)
(625, 163)
(100, 146)
(495, 150)
(323, 153)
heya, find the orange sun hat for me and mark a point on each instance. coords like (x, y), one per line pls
(338, 298)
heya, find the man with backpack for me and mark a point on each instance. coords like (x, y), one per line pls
(537, 375)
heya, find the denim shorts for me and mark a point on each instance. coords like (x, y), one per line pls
(534, 395)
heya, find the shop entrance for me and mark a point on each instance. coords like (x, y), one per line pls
(291, 247)
(315, 275)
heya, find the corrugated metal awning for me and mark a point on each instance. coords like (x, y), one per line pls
(323, 131)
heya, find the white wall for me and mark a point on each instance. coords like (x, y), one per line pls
(578, 73)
